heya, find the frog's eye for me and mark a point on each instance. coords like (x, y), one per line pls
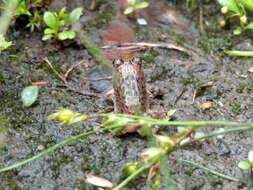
(117, 62)
(136, 60)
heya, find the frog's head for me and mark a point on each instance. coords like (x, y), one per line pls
(135, 61)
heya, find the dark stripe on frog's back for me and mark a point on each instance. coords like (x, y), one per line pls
(119, 99)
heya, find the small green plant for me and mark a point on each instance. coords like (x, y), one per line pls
(3, 44)
(236, 9)
(55, 21)
(135, 6)
(34, 21)
(29, 8)
(247, 165)
(189, 3)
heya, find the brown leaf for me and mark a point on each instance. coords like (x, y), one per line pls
(98, 181)
(206, 105)
(153, 171)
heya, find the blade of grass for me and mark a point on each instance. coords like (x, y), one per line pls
(212, 171)
(240, 53)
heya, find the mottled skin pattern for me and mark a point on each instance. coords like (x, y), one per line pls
(130, 95)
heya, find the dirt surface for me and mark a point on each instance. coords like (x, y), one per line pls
(174, 78)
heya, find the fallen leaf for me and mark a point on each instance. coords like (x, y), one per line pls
(153, 171)
(98, 181)
(250, 70)
(118, 32)
(29, 95)
(206, 105)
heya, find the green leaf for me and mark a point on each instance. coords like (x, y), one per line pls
(141, 5)
(75, 15)
(29, 95)
(47, 37)
(244, 165)
(61, 13)
(171, 112)
(248, 4)
(4, 44)
(66, 35)
(49, 31)
(249, 26)
(128, 10)
(250, 156)
(131, 2)
(230, 4)
(50, 19)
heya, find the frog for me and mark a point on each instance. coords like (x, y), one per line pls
(130, 95)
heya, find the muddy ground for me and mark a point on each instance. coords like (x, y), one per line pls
(173, 77)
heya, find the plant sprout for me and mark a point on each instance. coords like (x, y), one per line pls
(135, 6)
(54, 21)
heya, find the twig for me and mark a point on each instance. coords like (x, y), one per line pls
(73, 67)
(179, 95)
(97, 79)
(143, 45)
(58, 74)
(194, 96)
(201, 19)
(66, 82)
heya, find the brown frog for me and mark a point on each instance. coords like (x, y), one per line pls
(130, 96)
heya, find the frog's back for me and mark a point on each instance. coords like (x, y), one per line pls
(130, 92)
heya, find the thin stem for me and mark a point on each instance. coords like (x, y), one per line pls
(135, 174)
(212, 171)
(178, 123)
(216, 133)
(240, 53)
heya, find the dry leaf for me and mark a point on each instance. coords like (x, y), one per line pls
(153, 171)
(250, 70)
(206, 105)
(98, 181)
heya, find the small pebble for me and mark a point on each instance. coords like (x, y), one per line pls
(53, 92)
(41, 147)
(141, 21)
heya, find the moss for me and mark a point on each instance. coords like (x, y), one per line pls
(186, 81)
(241, 88)
(236, 108)
(104, 18)
(148, 59)
(153, 52)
